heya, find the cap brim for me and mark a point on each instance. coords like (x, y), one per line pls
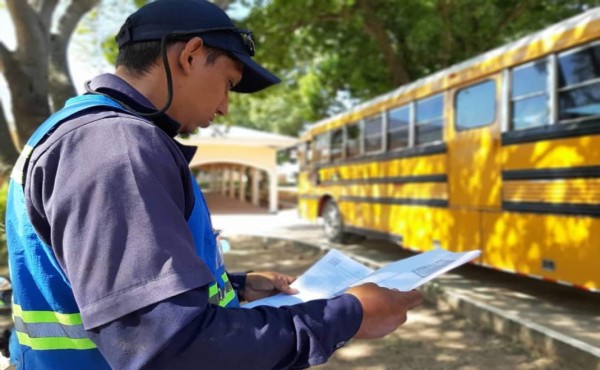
(254, 76)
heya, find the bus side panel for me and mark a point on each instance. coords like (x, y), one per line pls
(308, 208)
(464, 230)
(419, 228)
(308, 201)
(562, 153)
(557, 248)
(424, 228)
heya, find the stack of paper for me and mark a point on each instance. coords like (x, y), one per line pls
(335, 272)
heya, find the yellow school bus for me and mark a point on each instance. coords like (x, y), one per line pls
(499, 153)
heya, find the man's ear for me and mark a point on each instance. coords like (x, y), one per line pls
(190, 52)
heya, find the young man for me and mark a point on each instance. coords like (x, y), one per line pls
(113, 257)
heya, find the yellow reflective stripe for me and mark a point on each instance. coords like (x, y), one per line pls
(18, 170)
(229, 296)
(225, 278)
(213, 290)
(54, 342)
(47, 316)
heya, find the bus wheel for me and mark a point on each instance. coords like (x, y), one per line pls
(333, 224)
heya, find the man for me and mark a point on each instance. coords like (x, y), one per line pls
(113, 257)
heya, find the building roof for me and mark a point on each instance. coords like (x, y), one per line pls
(240, 136)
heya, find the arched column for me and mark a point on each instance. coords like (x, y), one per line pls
(231, 170)
(242, 184)
(273, 206)
(223, 181)
(255, 186)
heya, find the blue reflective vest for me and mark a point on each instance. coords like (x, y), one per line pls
(48, 330)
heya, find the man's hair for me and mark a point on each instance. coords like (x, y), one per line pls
(140, 57)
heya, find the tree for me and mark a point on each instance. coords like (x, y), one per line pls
(37, 72)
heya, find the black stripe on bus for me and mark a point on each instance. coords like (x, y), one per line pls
(417, 151)
(555, 208)
(394, 238)
(551, 132)
(309, 196)
(404, 201)
(553, 173)
(388, 180)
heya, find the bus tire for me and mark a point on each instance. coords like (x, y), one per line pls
(333, 223)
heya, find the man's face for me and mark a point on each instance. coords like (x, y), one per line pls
(203, 93)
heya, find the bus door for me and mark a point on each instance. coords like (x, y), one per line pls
(474, 176)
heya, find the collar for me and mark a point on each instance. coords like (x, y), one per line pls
(117, 88)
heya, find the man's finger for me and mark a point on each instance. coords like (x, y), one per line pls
(282, 283)
(413, 298)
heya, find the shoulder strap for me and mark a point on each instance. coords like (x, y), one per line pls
(72, 107)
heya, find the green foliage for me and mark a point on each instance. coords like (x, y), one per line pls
(110, 49)
(3, 250)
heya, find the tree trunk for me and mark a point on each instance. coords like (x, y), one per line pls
(26, 69)
(8, 152)
(61, 83)
(374, 28)
(38, 71)
(28, 89)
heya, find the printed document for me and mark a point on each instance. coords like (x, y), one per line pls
(336, 272)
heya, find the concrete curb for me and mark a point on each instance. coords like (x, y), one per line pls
(576, 353)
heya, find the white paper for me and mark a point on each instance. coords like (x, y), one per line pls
(410, 273)
(334, 273)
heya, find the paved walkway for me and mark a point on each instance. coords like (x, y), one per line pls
(554, 319)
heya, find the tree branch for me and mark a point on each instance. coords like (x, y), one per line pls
(374, 28)
(223, 4)
(516, 12)
(75, 11)
(444, 7)
(46, 11)
(32, 38)
(28, 89)
(4, 54)
(8, 151)
(7, 59)
(61, 83)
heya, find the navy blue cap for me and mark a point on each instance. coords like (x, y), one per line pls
(183, 19)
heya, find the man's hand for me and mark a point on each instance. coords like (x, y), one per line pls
(383, 309)
(264, 284)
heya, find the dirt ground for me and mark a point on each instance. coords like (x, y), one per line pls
(430, 340)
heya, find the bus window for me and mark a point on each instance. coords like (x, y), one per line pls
(430, 120)
(529, 95)
(373, 134)
(353, 137)
(398, 127)
(579, 84)
(337, 142)
(322, 148)
(308, 155)
(301, 154)
(476, 105)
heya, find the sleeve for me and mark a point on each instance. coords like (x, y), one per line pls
(238, 282)
(185, 332)
(110, 198)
